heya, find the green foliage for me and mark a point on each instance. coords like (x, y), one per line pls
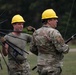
(28, 32)
(31, 10)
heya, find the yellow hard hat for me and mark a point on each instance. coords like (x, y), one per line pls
(49, 13)
(17, 18)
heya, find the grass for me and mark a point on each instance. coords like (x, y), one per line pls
(72, 46)
(69, 66)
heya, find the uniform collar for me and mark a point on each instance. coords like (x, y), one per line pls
(46, 26)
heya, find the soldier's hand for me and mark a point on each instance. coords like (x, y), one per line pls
(30, 28)
(2, 39)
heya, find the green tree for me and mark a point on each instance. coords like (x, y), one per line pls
(31, 10)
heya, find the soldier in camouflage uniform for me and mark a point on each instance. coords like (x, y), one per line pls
(22, 67)
(49, 44)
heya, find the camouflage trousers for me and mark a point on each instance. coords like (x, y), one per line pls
(48, 70)
(19, 69)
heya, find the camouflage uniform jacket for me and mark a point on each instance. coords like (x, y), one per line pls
(50, 44)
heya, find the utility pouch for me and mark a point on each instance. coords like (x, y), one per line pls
(20, 58)
(34, 50)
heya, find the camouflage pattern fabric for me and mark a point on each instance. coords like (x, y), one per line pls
(19, 69)
(49, 70)
(51, 47)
